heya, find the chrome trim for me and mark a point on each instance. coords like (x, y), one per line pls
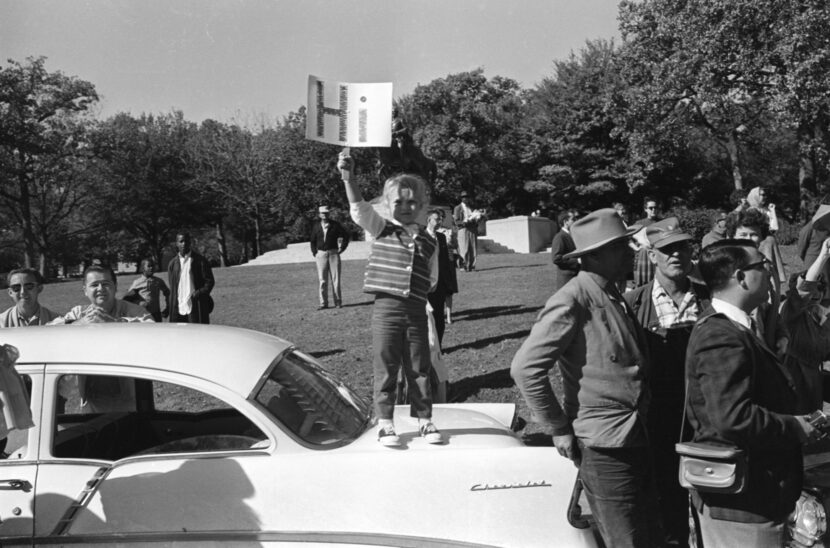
(333, 537)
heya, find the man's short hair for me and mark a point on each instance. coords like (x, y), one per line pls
(750, 218)
(25, 272)
(719, 260)
(648, 199)
(101, 269)
(435, 211)
(564, 216)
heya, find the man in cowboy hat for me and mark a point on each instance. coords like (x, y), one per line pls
(667, 308)
(600, 423)
(328, 240)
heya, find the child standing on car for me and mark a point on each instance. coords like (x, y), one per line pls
(402, 268)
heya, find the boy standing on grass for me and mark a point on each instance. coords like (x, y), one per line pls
(402, 269)
(147, 289)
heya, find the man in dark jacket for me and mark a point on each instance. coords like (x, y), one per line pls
(447, 281)
(563, 268)
(667, 308)
(328, 240)
(191, 281)
(739, 395)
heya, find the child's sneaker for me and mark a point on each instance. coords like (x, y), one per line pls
(388, 438)
(430, 433)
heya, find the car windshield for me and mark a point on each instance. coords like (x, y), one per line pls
(311, 403)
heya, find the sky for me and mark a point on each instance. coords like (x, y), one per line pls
(237, 60)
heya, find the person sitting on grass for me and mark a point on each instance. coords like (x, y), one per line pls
(401, 270)
(100, 286)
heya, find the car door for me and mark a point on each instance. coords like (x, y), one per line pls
(18, 470)
(147, 455)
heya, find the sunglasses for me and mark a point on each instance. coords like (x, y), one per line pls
(763, 264)
(17, 287)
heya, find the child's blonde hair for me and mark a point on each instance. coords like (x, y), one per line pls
(412, 182)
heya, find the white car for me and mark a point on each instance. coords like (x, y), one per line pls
(189, 435)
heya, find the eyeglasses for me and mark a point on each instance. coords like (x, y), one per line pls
(763, 264)
(17, 287)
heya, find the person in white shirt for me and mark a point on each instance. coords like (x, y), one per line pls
(191, 281)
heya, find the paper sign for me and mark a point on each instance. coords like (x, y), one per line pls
(354, 115)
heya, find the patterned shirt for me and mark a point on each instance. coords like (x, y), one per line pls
(669, 314)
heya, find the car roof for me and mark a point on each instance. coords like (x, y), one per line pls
(229, 356)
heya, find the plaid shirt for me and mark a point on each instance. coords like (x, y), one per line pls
(668, 313)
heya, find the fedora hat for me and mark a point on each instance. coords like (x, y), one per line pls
(598, 229)
(323, 209)
(665, 232)
(821, 220)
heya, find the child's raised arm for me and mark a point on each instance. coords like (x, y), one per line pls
(345, 164)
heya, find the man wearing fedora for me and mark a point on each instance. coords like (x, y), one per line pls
(600, 422)
(467, 231)
(667, 307)
(328, 240)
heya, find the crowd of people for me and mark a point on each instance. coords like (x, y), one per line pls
(722, 352)
(187, 300)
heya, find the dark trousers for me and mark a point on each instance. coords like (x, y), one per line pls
(400, 337)
(437, 300)
(620, 491)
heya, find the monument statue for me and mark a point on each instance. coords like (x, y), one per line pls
(403, 156)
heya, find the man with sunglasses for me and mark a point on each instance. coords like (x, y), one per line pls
(25, 285)
(667, 307)
(643, 267)
(740, 396)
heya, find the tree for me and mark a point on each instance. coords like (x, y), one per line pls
(470, 126)
(577, 155)
(42, 148)
(146, 194)
(699, 63)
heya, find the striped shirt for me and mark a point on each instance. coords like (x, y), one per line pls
(402, 260)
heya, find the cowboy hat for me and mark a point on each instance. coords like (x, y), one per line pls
(598, 229)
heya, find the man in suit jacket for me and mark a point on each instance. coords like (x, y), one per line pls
(467, 232)
(191, 281)
(563, 269)
(447, 282)
(328, 240)
(600, 424)
(739, 395)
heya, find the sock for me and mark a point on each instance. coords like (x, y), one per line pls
(384, 423)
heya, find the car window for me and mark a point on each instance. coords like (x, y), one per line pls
(311, 403)
(112, 417)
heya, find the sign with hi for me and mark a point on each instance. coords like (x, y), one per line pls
(352, 115)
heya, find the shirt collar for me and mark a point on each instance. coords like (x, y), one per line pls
(732, 312)
(411, 228)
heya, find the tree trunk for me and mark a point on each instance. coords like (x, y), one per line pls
(220, 241)
(42, 266)
(734, 150)
(26, 214)
(257, 237)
